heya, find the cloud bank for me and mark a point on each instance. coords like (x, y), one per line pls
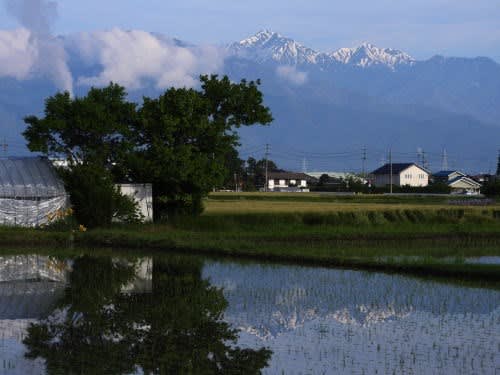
(291, 74)
(136, 58)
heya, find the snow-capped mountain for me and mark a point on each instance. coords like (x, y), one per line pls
(267, 45)
(271, 46)
(367, 55)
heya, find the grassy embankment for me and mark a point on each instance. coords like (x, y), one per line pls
(402, 234)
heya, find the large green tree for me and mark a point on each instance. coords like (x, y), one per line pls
(178, 141)
(184, 136)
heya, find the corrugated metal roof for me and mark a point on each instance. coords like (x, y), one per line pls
(29, 177)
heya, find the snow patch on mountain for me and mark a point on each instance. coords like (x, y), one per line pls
(271, 46)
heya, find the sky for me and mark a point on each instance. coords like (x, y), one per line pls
(422, 28)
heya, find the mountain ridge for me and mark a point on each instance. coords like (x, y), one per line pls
(268, 45)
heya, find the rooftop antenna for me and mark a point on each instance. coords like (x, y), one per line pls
(444, 161)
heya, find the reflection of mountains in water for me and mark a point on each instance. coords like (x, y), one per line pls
(267, 300)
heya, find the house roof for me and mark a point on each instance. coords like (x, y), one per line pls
(29, 177)
(288, 176)
(396, 168)
(447, 173)
(464, 179)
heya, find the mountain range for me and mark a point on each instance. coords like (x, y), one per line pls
(328, 106)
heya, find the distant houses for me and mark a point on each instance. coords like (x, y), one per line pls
(401, 174)
(411, 174)
(288, 181)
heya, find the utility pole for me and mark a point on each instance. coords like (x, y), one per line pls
(498, 165)
(363, 162)
(424, 160)
(4, 146)
(390, 163)
(266, 184)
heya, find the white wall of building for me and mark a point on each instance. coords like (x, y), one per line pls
(143, 195)
(412, 176)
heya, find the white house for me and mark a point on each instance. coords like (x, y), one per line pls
(403, 174)
(459, 182)
(287, 181)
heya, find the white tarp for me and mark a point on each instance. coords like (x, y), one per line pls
(30, 190)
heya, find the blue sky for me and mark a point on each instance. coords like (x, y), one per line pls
(420, 27)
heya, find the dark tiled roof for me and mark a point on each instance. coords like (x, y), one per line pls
(447, 173)
(396, 168)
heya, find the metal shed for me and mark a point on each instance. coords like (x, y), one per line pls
(30, 191)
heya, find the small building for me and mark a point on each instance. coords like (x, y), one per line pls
(464, 185)
(142, 194)
(287, 181)
(458, 182)
(403, 174)
(31, 192)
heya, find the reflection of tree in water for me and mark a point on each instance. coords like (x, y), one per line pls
(175, 329)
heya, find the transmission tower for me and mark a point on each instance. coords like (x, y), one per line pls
(363, 162)
(444, 161)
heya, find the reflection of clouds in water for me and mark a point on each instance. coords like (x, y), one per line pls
(339, 321)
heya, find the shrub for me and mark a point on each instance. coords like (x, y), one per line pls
(95, 198)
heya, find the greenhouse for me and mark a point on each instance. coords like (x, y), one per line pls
(30, 191)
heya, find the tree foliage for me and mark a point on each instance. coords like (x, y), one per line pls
(178, 141)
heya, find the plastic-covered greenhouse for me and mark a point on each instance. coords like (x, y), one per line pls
(30, 191)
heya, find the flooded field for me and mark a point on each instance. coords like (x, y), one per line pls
(174, 314)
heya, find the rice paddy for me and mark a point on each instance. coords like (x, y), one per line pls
(284, 319)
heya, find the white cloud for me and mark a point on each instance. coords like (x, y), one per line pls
(135, 58)
(32, 50)
(291, 74)
(18, 54)
(24, 55)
